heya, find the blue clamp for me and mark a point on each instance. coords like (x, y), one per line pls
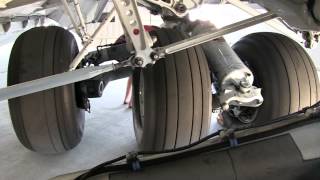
(133, 160)
(233, 140)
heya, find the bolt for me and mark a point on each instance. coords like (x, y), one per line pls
(154, 56)
(136, 31)
(86, 104)
(258, 101)
(154, 39)
(100, 88)
(124, 3)
(138, 61)
(180, 8)
(245, 84)
(129, 13)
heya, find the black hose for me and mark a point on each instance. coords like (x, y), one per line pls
(105, 167)
(96, 170)
(102, 167)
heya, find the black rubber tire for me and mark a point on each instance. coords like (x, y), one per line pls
(284, 71)
(48, 121)
(177, 97)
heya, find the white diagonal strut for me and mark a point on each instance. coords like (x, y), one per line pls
(89, 44)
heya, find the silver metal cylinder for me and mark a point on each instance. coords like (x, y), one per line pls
(223, 61)
(226, 64)
(233, 76)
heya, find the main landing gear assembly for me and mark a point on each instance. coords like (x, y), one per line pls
(174, 70)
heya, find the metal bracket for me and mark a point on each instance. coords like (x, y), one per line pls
(252, 98)
(129, 16)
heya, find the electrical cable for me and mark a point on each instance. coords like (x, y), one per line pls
(93, 171)
(182, 147)
(105, 167)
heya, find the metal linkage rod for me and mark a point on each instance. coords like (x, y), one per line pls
(212, 34)
(80, 29)
(83, 25)
(72, 19)
(53, 81)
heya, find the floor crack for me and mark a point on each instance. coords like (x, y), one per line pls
(233, 166)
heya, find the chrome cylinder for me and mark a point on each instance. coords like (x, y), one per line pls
(226, 65)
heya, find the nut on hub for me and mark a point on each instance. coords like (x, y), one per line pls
(138, 61)
(245, 84)
(154, 56)
(180, 8)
